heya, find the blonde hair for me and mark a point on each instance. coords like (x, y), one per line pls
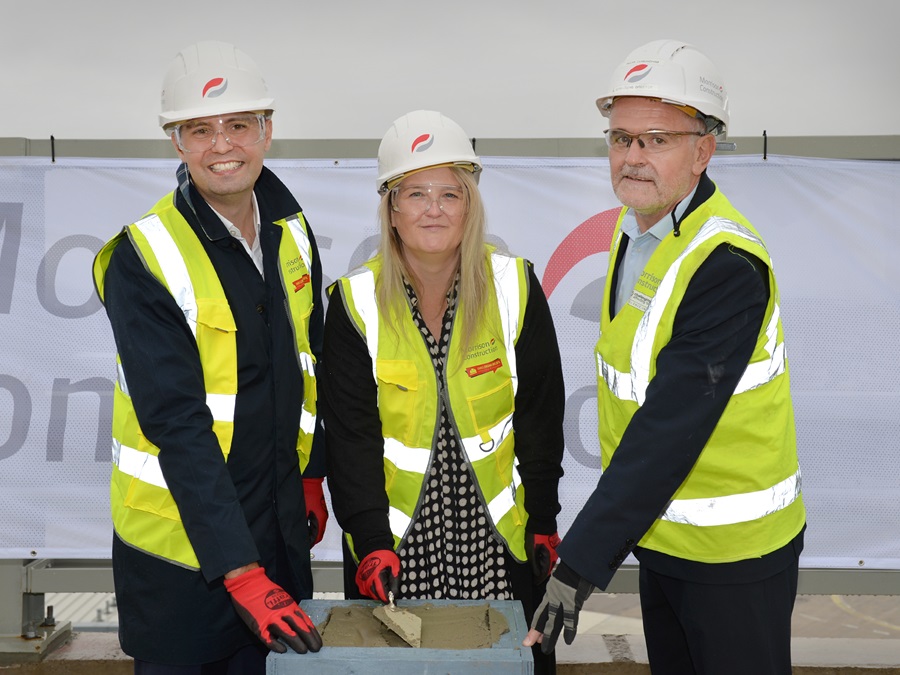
(473, 279)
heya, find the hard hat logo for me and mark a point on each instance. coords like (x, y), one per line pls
(215, 87)
(638, 73)
(422, 143)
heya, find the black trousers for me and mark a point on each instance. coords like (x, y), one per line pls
(250, 660)
(710, 629)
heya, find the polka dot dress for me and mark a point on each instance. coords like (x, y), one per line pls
(450, 551)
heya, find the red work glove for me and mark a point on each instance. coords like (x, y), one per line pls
(541, 551)
(316, 509)
(378, 573)
(271, 613)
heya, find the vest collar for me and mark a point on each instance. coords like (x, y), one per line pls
(274, 202)
(704, 190)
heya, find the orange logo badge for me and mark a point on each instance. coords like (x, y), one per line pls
(482, 368)
(300, 283)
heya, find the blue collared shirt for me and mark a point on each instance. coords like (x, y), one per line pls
(640, 246)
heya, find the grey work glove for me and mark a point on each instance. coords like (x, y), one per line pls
(563, 600)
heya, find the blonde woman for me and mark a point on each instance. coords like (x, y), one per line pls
(443, 392)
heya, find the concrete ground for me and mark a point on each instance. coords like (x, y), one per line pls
(832, 635)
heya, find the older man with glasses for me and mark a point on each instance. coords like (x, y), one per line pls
(214, 298)
(699, 454)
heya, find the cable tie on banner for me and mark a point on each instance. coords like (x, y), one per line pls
(765, 145)
(474, 141)
(52, 149)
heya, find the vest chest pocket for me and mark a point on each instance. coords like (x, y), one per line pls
(399, 403)
(489, 408)
(216, 342)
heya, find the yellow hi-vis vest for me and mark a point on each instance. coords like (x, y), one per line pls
(743, 497)
(144, 513)
(479, 393)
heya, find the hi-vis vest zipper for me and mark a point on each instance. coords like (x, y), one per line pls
(144, 513)
(479, 392)
(743, 497)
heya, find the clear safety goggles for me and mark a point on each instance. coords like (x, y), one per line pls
(414, 200)
(652, 141)
(239, 131)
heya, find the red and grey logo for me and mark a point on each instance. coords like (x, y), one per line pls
(422, 143)
(637, 73)
(589, 238)
(215, 87)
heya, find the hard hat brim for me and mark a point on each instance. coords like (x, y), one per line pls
(169, 120)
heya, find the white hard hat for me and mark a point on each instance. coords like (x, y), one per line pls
(419, 140)
(676, 73)
(212, 78)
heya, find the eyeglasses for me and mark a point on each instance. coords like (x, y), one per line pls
(239, 131)
(415, 200)
(652, 141)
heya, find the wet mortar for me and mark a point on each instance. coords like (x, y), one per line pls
(444, 627)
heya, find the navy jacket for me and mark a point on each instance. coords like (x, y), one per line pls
(716, 324)
(250, 509)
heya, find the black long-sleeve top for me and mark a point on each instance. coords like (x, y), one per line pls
(250, 509)
(356, 446)
(715, 330)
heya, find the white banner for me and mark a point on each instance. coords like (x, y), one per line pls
(830, 226)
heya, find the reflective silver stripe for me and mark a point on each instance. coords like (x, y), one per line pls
(620, 384)
(307, 422)
(307, 419)
(302, 241)
(731, 509)
(301, 238)
(307, 363)
(123, 385)
(762, 372)
(399, 521)
(477, 449)
(141, 465)
(221, 406)
(172, 265)
(504, 502)
(362, 287)
(405, 458)
(506, 282)
(416, 460)
(175, 271)
(633, 386)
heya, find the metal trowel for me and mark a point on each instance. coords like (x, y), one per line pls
(402, 622)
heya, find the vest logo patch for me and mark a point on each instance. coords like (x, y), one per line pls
(482, 368)
(639, 301)
(649, 281)
(300, 283)
(482, 349)
(295, 265)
